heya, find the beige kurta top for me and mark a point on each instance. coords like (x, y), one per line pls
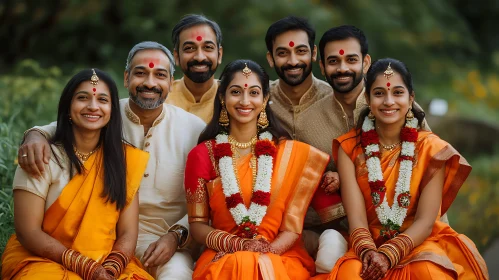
(161, 195)
(181, 97)
(53, 181)
(317, 119)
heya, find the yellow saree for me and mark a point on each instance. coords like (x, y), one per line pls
(81, 220)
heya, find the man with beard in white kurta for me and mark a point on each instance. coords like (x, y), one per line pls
(168, 133)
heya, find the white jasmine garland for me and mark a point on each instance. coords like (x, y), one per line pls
(396, 213)
(230, 186)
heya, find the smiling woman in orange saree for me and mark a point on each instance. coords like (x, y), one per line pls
(396, 183)
(247, 201)
(79, 220)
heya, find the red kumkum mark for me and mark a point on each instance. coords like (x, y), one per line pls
(151, 65)
(199, 38)
(94, 89)
(291, 43)
(388, 84)
(245, 85)
(342, 52)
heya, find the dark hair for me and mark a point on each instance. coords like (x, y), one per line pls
(192, 20)
(287, 24)
(377, 68)
(341, 33)
(213, 128)
(111, 136)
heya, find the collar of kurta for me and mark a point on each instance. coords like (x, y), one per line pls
(306, 99)
(207, 96)
(135, 119)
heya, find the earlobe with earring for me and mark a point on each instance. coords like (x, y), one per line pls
(410, 115)
(223, 120)
(263, 122)
(371, 115)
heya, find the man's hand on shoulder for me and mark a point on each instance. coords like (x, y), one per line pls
(34, 153)
(161, 251)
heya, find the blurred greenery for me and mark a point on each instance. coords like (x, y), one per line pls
(451, 47)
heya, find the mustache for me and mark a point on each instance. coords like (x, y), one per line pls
(195, 62)
(299, 65)
(340, 75)
(154, 89)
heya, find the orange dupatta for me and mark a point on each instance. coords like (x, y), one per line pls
(81, 220)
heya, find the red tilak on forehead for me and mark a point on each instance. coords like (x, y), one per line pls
(342, 52)
(151, 65)
(291, 43)
(245, 85)
(94, 89)
(388, 84)
(199, 38)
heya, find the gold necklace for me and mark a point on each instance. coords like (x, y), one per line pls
(390, 147)
(84, 157)
(239, 145)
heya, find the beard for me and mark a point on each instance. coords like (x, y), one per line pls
(294, 80)
(344, 87)
(147, 103)
(199, 77)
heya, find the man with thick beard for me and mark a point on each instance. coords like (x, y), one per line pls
(167, 133)
(198, 51)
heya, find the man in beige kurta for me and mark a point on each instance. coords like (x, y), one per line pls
(198, 52)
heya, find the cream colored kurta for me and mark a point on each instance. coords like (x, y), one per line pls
(317, 119)
(161, 195)
(181, 97)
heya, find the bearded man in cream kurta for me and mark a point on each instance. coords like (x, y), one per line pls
(168, 133)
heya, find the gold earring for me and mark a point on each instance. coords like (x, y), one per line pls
(263, 122)
(410, 115)
(371, 115)
(223, 120)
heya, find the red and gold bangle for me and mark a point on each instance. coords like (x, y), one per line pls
(79, 264)
(397, 248)
(115, 263)
(361, 241)
(223, 241)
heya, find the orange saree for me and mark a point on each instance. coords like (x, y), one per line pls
(81, 220)
(297, 171)
(444, 254)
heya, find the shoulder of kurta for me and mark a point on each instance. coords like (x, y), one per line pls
(189, 122)
(323, 88)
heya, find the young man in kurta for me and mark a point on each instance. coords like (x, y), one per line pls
(167, 133)
(197, 43)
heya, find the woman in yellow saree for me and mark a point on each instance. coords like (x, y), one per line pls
(396, 183)
(79, 219)
(247, 188)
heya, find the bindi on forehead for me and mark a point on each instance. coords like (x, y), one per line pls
(342, 52)
(151, 62)
(291, 43)
(388, 85)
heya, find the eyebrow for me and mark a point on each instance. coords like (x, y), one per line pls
(402, 87)
(348, 55)
(193, 43)
(86, 92)
(158, 68)
(238, 86)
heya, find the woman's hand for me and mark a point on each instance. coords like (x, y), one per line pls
(101, 274)
(374, 265)
(256, 245)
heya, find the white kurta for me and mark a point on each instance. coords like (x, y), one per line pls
(161, 195)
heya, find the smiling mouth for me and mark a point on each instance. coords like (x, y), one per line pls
(389, 112)
(294, 70)
(200, 68)
(244, 111)
(343, 79)
(91, 117)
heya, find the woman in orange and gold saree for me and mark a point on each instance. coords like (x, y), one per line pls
(397, 181)
(248, 188)
(79, 219)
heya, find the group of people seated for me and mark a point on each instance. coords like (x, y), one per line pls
(240, 177)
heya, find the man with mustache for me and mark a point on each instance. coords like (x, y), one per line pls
(166, 132)
(198, 51)
(295, 99)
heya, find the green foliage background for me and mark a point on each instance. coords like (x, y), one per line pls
(451, 47)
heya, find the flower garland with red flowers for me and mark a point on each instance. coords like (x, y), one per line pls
(391, 218)
(246, 219)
